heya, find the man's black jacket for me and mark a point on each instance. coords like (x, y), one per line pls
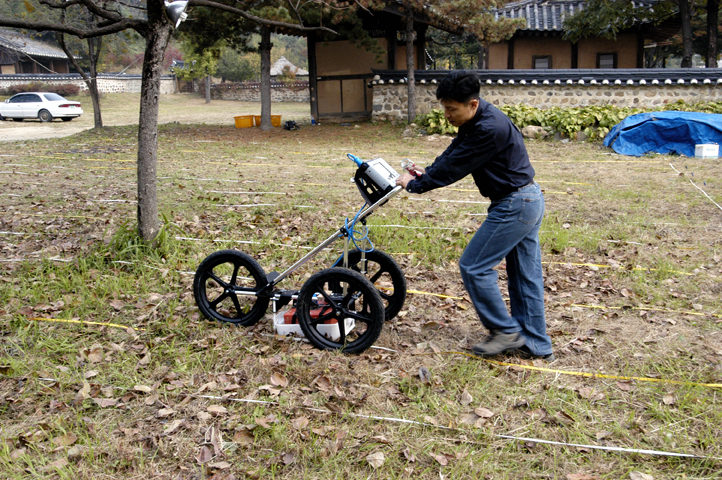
(490, 148)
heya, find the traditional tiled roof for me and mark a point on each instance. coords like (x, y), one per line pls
(588, 77)
(281, 63)
(26, 45)
(549, 15)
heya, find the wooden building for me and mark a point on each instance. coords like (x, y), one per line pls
(540, 44)
(20, 53)
(340, 72)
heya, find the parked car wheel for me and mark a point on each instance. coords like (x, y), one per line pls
(45, 116)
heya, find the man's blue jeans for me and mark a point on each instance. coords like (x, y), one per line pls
(511, 231)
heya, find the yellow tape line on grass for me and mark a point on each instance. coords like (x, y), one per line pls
(582, 374)
(494, 362)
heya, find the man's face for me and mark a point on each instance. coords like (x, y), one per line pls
(458, 113)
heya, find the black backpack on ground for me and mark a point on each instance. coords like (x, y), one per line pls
(290, 125)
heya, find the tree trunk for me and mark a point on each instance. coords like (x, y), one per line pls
(92, 81)
(208, 89)
(265, 49)
(481, 60)
(410, 68)
(686, 16)
(157, 38)
(94, 53)
(712, 23)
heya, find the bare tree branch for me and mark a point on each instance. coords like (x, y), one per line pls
(89, 4)
(258, 20)
(294, 8)
(116, 27)
(71, 57)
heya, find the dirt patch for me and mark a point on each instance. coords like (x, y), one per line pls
(38, 132)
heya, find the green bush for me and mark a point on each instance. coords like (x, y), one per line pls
(435, 122)
(594, 120)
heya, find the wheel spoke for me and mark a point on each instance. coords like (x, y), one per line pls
(326, 297)
(217, 279)
(326, 316)
(342, 330)
(218, 300)
(385, 296)
(359, 316)
(377, 276)
(234, 277)
(239, 312)
(350, 296)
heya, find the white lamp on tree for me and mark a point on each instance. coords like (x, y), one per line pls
(176, 12)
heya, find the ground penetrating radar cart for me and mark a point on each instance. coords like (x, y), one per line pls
(339, 308)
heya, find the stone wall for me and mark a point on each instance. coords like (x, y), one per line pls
(106, 83)
(564, 89)
(251, 92)
(390, 101)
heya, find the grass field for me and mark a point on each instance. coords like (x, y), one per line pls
(109, 371)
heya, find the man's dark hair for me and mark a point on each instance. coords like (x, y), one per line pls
(460, 85)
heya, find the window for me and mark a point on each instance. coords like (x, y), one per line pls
(606, 60)
(541, 61)
(32, 98)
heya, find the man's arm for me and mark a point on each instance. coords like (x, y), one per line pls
(459, 160)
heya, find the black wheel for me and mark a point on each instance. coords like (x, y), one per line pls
(340, 297)
(386, 275)
(45, 116)
(66, 119)
(225, 287)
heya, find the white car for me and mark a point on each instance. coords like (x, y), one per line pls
(42, 105)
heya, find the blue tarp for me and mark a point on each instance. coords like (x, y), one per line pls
(665, 133)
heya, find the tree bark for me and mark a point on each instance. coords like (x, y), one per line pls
(481, 60)
(94, 45)
(208, 89)
(265, 49)
(685, 14)
(712, 25)
(157, 37)
(411, 79)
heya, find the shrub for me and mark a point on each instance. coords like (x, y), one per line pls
(435, 122)
(65, 89)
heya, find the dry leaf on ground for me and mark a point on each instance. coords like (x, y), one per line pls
(217, 409)
(376, 459)
(640, 476)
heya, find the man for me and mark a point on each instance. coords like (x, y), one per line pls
(491, 149)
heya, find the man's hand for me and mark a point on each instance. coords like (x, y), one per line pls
(404, 179)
